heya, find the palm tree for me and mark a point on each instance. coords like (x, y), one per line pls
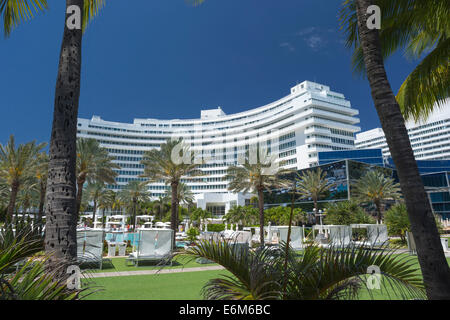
(374, 187)
(199, 215)
(313, 184)
(317, 274)
(93, 165)
(15, 12)
(256, 179)
(235, 215)
(421, 29)
(435, 269)
(95, 191)
(61, 205)
(184, 194)
(27, 197)
(134, 193)
(159, 165)
(160, 206)
(16, 167)
(106, 200)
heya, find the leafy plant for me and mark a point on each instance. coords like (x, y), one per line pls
(192, 234)
(215, 227)
(397, 221)
(346, 213)
(336, 273)
(280, 215)
(374, 187)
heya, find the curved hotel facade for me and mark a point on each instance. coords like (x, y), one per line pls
(430, 138)
(312, 118)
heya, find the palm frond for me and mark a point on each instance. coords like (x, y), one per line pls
(91, 10)
(428, 85)
(15, 12)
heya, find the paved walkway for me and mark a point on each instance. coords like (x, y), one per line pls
(150, 272)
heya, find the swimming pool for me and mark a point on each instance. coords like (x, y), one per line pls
(133, 237)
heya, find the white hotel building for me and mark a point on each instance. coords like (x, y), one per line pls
(430, 138)
(310, 119)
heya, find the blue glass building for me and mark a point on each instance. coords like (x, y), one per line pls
(435, 173)
(369, 156)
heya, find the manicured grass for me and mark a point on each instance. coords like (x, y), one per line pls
(386, 292)
(185, 285)
(176, 286)
(118, 264)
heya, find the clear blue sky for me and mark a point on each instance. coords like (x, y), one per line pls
(166, 59)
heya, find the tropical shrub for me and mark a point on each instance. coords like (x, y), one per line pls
(280, 215)
(346, 213)
(397, 221)
(23, 275)
(192, 234)
(330, 274)
(246, 216)
(198, 214)
(215, 227)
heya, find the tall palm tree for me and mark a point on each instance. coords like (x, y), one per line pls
(313, 184)
(374, 187)
(61, 204)
(28, 196)
(106, 200)
(134, 193)
(159, 165)
(421, 28)
(93, 165)
(184, 194)
(95, 191)
(255, 178)
(16, 167)
(435, 269)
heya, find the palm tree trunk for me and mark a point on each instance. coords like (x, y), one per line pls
(316, 210)
(60, 235)
(134, 214)
(261, 215)
(174, 215)
(378, 206)
(288, 240)
(12, 199)
(103, 218)
(435, 269)
(94, 211)
(41, 205)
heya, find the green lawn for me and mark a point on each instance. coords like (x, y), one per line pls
(118, 264)
(176, 286)
(183, 285)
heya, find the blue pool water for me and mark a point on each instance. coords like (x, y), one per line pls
(133, 237)
(119, 237)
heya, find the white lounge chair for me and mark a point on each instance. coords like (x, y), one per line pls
(90, 246)
(153, 245)
(296, 241)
